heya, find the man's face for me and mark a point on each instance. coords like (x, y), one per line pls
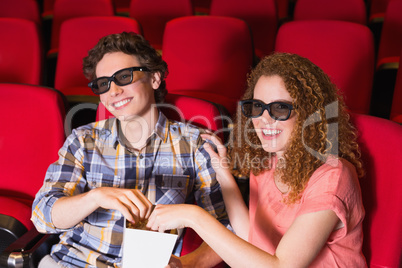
(134, 99)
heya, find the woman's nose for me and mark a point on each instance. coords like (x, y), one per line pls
(266, 118)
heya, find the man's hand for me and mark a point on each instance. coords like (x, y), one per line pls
(132, 203)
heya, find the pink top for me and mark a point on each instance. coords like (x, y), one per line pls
(333, 186)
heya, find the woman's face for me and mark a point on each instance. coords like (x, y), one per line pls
(274, 135)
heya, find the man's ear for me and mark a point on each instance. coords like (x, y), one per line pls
(156, 80)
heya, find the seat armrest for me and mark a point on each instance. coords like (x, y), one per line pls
(28, 250)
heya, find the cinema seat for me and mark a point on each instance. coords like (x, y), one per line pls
(344, 10)
(30, 138)
(260, 15)
(23, 9)
(21, 54)
(209, 58)
(344, 50)
(69, 78)
(153, 16)
(68, 9)
(381, 190)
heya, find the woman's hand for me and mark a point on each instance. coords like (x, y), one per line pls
(169, 217)
(219, 159)
(132, 203)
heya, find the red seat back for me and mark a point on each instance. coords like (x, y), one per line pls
(23, 9)
(208, 57)
(69, 78)
(153, 16)
(381, 147)
(21, 53)
(30, 138)
(345, 10)
(68, 9)
(260, 15)
(344, 50)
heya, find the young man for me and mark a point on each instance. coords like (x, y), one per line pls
(118, 168)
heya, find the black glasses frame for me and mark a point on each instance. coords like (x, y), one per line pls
(94, 86)
(266, 107)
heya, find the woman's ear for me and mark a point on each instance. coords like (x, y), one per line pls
(156, 80)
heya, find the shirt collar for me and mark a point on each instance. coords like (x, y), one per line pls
(161, 127)
(111, 128)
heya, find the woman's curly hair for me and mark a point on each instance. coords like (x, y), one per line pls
(131, 44)
(322, 125)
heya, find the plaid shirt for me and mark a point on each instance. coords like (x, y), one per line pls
(173, 168)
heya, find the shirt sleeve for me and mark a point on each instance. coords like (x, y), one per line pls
(335, 186)
(208, 193)
(63, 178)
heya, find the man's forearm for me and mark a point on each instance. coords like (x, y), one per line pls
(68, 211)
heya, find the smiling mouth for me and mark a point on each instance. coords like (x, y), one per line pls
(121, 103)
(271, 132)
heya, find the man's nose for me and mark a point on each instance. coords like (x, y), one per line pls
(114, 90)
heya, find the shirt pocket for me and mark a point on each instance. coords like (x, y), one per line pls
(96, 180)
(176, 182)
(171, 189)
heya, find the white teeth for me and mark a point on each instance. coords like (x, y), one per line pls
(271, 132)
(121, 103)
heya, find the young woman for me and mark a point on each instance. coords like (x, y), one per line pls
(296, 143)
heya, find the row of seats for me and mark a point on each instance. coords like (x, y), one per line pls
(28, 135)
(346, 76)
(261, 15)
(375, 8)
(208, 56)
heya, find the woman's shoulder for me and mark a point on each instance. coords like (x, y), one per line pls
(335, 164)
(336, 173)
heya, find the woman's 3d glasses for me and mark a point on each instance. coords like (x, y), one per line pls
(277, 110)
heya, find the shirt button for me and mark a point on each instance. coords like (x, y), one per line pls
(141, 156)
(174, 128)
